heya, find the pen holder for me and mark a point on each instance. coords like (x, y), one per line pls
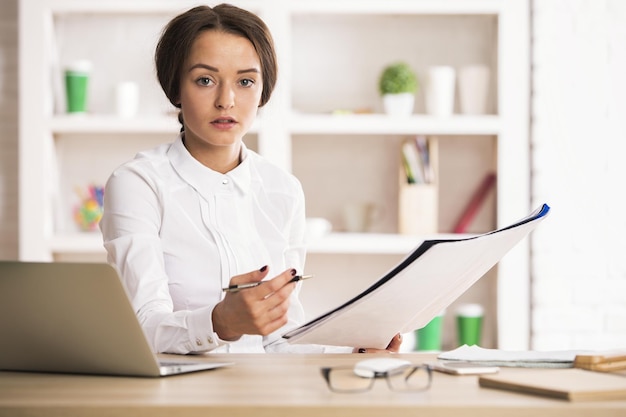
(418, 209)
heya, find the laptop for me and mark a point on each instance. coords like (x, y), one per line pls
(75, 318)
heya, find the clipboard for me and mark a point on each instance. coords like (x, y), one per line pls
(425, 282)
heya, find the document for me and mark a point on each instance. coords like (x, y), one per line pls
(416, 290)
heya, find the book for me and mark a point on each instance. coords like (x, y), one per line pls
(568, 384)
(476, 202)
(413, 292)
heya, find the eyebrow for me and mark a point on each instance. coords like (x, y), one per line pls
(210, 68)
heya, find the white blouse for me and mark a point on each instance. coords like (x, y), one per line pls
(177, 231)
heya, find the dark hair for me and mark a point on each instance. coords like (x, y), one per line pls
(180, 33)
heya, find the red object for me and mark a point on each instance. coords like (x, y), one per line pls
(475, 203)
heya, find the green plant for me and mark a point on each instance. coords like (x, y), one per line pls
(397, 78)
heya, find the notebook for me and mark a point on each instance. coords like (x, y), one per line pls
(75, 318)
(568, 384)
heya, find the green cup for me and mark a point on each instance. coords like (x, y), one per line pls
(469, 321)
(429, 336)
(76, 82)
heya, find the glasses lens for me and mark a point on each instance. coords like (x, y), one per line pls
(345, 380)
(416, 378)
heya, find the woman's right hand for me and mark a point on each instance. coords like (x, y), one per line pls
(258, 310)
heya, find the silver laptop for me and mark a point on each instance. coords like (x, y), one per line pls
(75, 318)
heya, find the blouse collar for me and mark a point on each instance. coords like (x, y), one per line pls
(204, 179)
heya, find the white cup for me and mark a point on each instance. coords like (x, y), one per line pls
(126, 99)
(317, 227)
(439, 90)
(473, 89)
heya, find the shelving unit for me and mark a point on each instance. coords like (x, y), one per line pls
(330, 54)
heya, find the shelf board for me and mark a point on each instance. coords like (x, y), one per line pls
(371, 243)
(381, 124)
(333, 243)
(398, 6)
(84, 243)
(111, 124)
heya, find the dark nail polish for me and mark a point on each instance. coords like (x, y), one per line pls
(362, 350)
(293, 272)
(263, 268)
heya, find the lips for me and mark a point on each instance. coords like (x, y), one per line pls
(224, 121)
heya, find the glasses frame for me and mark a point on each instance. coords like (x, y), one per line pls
(376, 375)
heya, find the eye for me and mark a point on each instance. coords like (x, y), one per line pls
(246, 82)
(204, 81)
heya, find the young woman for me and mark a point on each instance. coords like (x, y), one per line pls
(186, 219)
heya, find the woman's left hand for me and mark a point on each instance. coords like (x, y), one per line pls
(392, 347)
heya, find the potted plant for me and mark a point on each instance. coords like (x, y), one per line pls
(397, 86)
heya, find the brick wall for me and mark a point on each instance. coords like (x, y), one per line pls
(578, 135)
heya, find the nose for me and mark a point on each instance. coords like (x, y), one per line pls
(225, 98)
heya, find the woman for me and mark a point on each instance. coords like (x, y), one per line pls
(189, 218)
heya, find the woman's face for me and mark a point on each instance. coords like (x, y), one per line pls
(220, 91)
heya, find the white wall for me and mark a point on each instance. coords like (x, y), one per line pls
(8, 129)
(578, 137)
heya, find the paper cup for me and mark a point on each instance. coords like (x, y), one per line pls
(76, 83)
(429, 336)
(469, 320)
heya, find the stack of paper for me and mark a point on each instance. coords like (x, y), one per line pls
(520, 359)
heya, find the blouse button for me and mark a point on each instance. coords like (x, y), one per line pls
(225, 181)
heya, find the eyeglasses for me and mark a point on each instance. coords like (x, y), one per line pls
(411, 378)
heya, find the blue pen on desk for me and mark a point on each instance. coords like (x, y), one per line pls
(238, 287)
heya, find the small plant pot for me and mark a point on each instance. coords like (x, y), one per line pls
(399, 104)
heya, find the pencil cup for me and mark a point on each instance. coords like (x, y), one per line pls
(417, 209)
(76, 83)
(429, 336)
(469, 320)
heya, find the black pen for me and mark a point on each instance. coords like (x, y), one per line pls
(237, 287)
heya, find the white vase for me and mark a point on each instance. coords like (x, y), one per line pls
(399, 104)
(439, 91)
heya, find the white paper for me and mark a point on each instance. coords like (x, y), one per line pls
(522, 358)
(426, 282)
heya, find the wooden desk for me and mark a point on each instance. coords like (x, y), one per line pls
(271, 386)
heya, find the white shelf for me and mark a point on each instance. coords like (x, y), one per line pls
(387, 125)
(85, 243)
(334, 243)
(396, 6)
(491, 32)
(112, 124)
(371, 243)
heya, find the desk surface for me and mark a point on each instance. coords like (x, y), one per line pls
(264, 385)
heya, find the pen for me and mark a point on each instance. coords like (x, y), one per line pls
(237, 287)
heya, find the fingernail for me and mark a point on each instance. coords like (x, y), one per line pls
(362, 350)
(293, 272)
(399, 336)
(263, 268)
